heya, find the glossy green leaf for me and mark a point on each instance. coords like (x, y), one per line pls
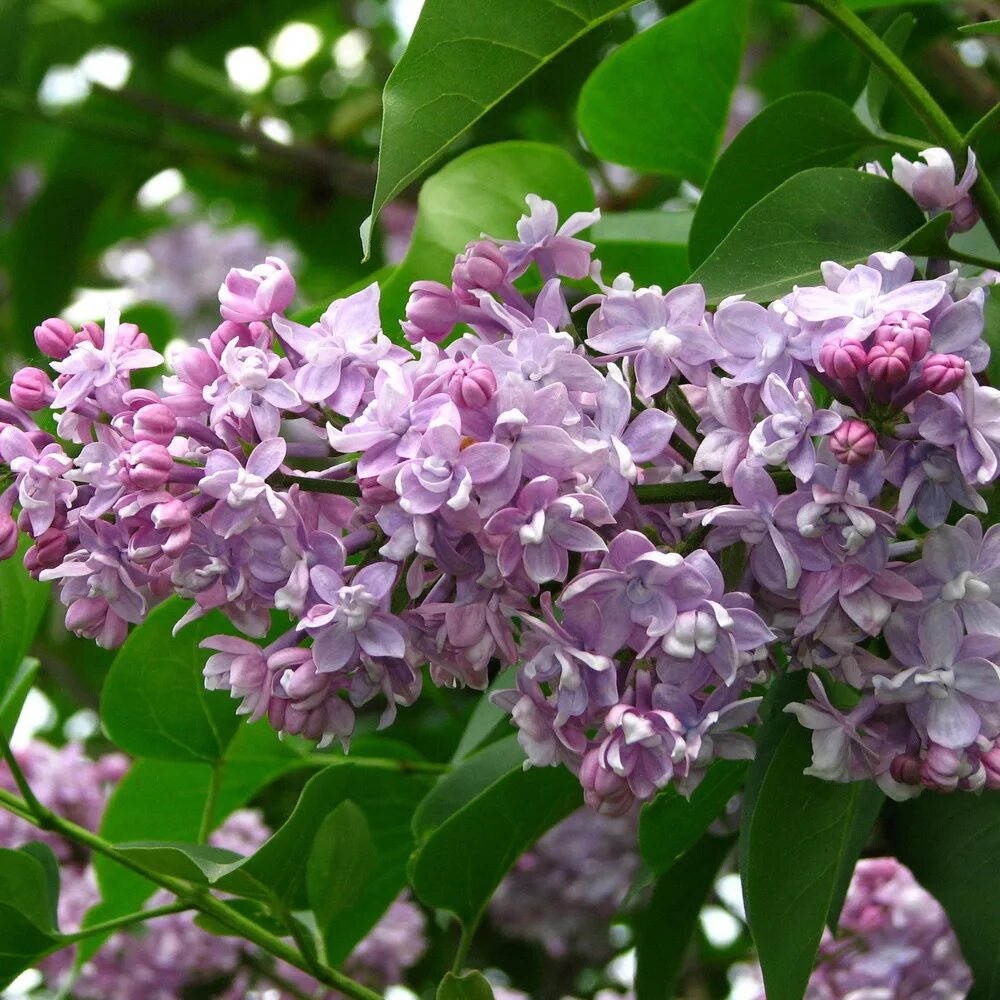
(485, 717)
(461, 863)
(164, 801)
(200, 864)
(463, 58)
(154, 702)
(26, 910)
(671, 825)
(660, 102)
(810, 129)
(826, 213)
(12, 700)
(951, 844)
(481, 191)
(878, 87)
(341, 863)
(467, 780)
(798, 837)
(388, 799)
(471, 986)
(981, 28)
(663, 929)
(651, 246)
(22, 607)
(44, 855)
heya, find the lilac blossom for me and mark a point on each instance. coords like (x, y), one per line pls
(933, 186)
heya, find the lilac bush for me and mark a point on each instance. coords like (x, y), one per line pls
(554, 487)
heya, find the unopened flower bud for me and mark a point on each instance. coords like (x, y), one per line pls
(472, 384)
(481, 266)
(246, 296)
(8, 535)
(31, 389)
(92, 618)
(148, 465)
(889, 363)
(853, 442)
(171, 514)
(226, 331)
(603, 790)
(905, 769)
(55, 338)
(909, 329)
(49, 551)
(155, 423)
(940, 769)
(843, 358)
(431, 312)
(943, 373)
(990, 761)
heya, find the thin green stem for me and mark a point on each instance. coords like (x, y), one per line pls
(36, 810)
(939, 126)
(197, 897)
(981, 127)
(127, 921)
(381, 763)
(462, 952)
(685, 491)
(339, 487)
(211, 799)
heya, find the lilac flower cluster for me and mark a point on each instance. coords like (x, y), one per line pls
(630, 496)
(170, 955)
(564, 892)
(893, 940)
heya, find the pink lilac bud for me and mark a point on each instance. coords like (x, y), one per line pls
(93, 618)
(603, 790)
(173, 517)
(148, 465)
(50, 549)
(853, 442)
(55, 338)
(889, 363)
(843, 358)
(472, 384)
(431, 312)
(481, 266)
(196, 367)
(246, 296)
(226, 331)
(905, 769)
(8, 535)
(941, 768)
(943, 373)
(155, 423)
(32, 389)
(990, 760)
(909, 329)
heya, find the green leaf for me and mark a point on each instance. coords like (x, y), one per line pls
(164, 800)
(462, 862)
(22, 606)
(981, 28)
(27, 909)
(253, 909)
(388, 799)
(653, 105)
(481, 191)
(463, 58)
(467, 780)
(663, 930)
(810, 130)
(878, 88)
(798, 837)
(826, 213)
(951, 844)
(43, 854)
(154, 702)
(471, 986)
(671, 825)
(13, 698)
(341, 863)
(650, 246)
(485, 716)
(201, 864)
(21, 944)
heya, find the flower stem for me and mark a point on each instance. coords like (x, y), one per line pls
(127, 921)
(312, 484)
(981, 127)
(196, 897)
(39, 815)
(939, 126)
(208, 811)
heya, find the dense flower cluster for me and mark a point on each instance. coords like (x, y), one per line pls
(564, 892)
(170, 955)
(628, 495)
(893, 940)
